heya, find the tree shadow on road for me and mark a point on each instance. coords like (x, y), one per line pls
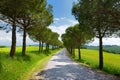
(73, 72)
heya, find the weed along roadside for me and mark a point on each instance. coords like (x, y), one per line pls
(22, 68)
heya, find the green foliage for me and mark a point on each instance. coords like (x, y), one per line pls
(22, 68)
(112, 49)
(91, 57)
(26, 14)
(44, 35)
(96, 16)
(3, 46)
(107, 48)
(75, 37)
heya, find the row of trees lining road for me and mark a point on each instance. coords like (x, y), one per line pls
(75, 37)
(25, 15)
(101, 16)
(44, 35)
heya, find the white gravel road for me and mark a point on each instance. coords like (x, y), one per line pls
(61, 67)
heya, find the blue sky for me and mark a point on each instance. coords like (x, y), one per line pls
(62, 12)
(62, 8)
(63, 18)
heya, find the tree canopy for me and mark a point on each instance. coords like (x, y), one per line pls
(75, 37)
(30, 16)
(99, 17)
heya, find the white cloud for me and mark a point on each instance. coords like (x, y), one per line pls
(106, 41)
(5, 39)
(111, 41)
(64, 21)
(73, 22)
(63, 18)
(60, 26)
(60, 29)
(56, 19)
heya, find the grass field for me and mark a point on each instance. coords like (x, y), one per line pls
(22, 68)
(91, 57)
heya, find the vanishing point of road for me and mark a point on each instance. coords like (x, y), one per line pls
(61, 67)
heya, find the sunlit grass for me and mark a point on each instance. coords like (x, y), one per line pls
(91, 57)
(21, 68)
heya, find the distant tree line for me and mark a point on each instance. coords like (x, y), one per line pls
(32, 17)
(107, 48)
(100, 18)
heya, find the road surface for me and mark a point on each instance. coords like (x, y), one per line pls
(61, 67)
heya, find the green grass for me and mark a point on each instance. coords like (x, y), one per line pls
(91, 57)
(22, 68)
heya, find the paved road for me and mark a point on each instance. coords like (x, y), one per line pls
(61, 67)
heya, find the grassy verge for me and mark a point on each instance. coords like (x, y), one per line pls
(22, 68)
(91, 57)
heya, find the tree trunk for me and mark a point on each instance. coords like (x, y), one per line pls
(71, 51)
(100, 54)
(39, 46)
(24, 43)
(79, 53)
(13, 45)
(42, 47)
(52, 47)
(46, 47)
